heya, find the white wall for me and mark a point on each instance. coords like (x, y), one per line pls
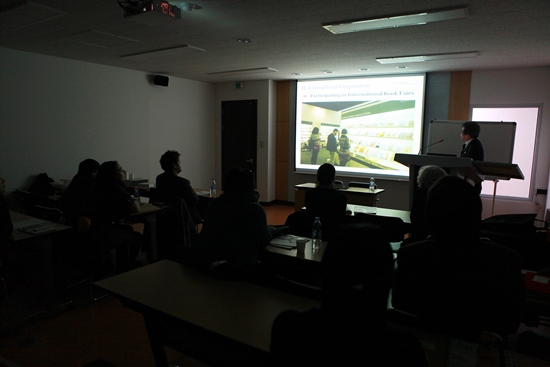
(264, 91)
(514, 87)
(56, 112)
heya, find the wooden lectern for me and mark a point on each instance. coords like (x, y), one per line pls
(455, 166)
(465, 167)
(496, 171)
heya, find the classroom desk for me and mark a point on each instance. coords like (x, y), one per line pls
(355, 195)
(308, 255)
(43, 241)
(222, 322)
(316, 256)
(404, 215)
(148, 215)
(218, 322)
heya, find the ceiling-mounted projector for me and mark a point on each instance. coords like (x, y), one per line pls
(154, 7)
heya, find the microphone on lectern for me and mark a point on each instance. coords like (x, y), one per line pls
(437, 142)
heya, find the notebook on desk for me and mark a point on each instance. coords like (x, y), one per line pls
(38, 228)
(353, 209)
(281, 238)
(286, 241)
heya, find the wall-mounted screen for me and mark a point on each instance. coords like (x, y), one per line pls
(370, 119)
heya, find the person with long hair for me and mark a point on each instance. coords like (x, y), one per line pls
(315, 145)
(109, 207)
(344, 145)
(73, 199)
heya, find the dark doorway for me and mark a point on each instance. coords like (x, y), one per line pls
(239, 135)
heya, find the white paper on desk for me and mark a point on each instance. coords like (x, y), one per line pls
(203, 193)
(34, 226)
(287, 241)
(362, 209)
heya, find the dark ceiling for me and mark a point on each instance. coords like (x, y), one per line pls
(286, 36)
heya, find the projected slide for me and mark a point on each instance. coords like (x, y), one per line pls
(370, 120)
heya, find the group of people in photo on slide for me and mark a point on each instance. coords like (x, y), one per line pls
(338, 144)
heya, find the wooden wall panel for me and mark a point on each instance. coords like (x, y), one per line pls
(282, 134)
(281, 139)
(459, 96)
(283, 100)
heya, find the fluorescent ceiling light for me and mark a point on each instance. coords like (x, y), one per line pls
(167, 52)
(420, 58)
(245, 71)
(99, 39)
(397, 21)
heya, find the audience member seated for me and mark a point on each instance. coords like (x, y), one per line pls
(235, 226)
(349, 329)
(73, 199)
(427, 175)
(169, 185)
(326, 202)
(109, 206)
(12, 271)
(6, 227)
(454, 280)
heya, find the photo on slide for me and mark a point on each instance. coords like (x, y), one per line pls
(358, 125)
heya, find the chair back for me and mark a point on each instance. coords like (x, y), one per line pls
(392, 227)
(365, 185)
(300, 223)
(175, 229)
(48, 213)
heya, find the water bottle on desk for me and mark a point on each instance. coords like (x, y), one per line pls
(137, 196)
(372, 185)
(316, 234)
(212, 188)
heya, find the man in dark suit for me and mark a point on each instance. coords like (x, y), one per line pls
(332, 146)
(454, 280)
(169, 185)
(472, 147)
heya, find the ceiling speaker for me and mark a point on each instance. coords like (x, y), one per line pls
(161, 80)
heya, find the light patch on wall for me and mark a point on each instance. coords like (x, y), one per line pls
(524, 146)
